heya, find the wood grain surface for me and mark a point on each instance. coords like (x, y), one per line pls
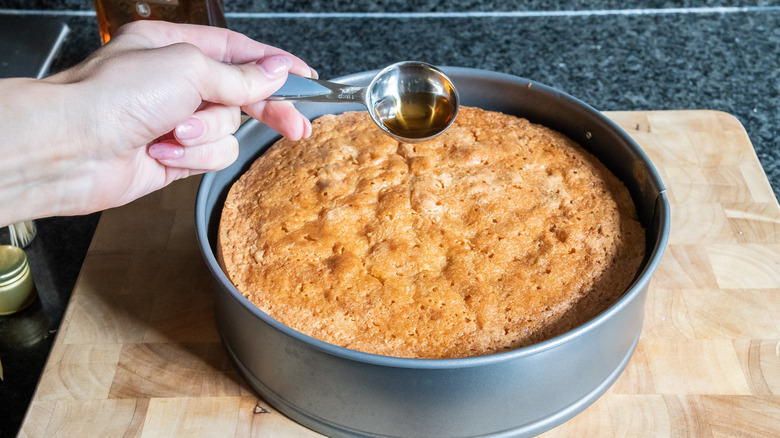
(138, 354)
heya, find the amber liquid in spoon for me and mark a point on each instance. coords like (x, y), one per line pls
(419, 115)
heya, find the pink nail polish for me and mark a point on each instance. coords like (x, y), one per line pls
(191, 129)
(306, 128)
(166, 151)
(275, 66)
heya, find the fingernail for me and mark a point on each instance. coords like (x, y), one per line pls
(191, 129)
(165, 151)
(275, 66)
(314, 74)
(306, 128)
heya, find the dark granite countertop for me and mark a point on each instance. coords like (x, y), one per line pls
(647, 55)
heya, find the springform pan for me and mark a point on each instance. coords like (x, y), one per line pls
(524, 392)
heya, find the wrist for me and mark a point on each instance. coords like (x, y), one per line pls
(37, 161)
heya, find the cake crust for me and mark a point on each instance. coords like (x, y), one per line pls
(495, 235)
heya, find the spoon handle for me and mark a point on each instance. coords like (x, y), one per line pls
(298, 88)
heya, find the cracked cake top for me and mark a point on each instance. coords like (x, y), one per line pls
(497, 234)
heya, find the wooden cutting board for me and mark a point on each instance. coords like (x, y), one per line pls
(138, 353)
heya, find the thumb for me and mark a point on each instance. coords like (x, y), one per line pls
(239, 85)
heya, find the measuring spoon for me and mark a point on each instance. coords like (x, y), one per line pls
(411, 101)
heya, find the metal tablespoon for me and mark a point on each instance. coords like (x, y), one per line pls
(411, 101)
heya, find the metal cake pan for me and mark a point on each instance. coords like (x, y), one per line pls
(341, 392)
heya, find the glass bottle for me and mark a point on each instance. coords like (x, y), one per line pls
(112, 14)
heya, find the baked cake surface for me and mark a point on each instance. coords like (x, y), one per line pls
(497, 234)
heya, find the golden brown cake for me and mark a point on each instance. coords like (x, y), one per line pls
(497, 234)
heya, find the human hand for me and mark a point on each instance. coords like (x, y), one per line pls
(158, 103)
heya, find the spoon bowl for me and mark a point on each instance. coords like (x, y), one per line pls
(410, 101)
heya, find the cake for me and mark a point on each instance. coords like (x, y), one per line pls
(497, 234)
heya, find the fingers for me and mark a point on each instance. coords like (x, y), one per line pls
(248, 90)
(207, 125)
(243, 84)
(205, 143)
(206, 157)
(220, 44)
(195, 65)
(282, 117)
(202, 142)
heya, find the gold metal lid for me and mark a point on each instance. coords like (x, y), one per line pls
(17, 289)
(13, 263)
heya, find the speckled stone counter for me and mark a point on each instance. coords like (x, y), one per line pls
(646, 55)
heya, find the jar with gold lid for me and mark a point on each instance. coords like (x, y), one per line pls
(17, 289)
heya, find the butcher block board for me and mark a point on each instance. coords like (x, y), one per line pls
(138, 353)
